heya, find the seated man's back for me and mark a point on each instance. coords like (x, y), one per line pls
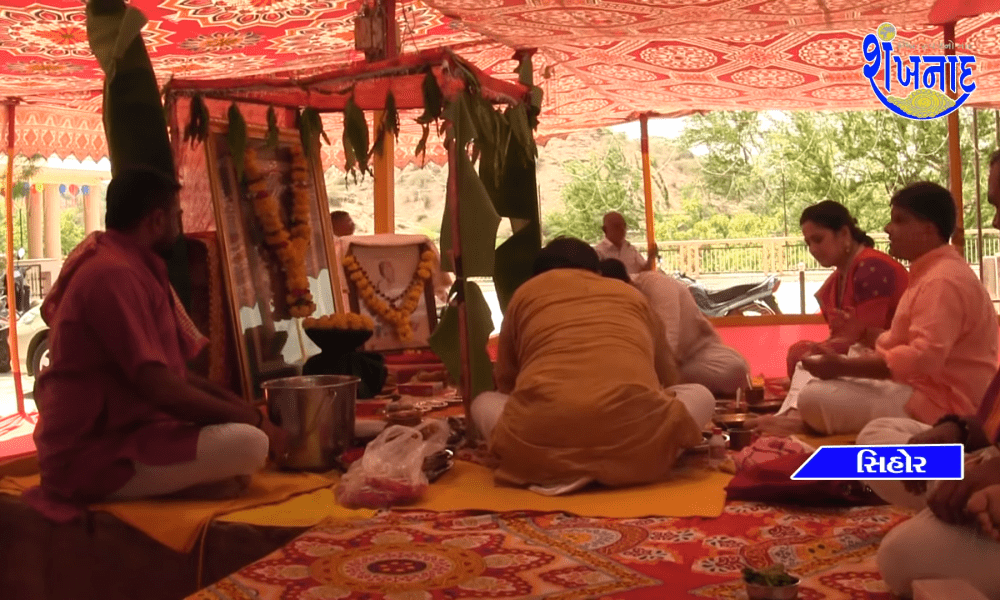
(577, 356)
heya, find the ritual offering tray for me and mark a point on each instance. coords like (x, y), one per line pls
(766, 407)
(771, 583)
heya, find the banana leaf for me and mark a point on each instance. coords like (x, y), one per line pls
(433, 99)
(356, 134)
(271, 141)
(198, 118)
(514, 261)
(445, 343)
(236, 138)
(134, 123)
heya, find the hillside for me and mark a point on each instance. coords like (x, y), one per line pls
(420, 192)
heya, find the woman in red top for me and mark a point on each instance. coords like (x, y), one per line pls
(865, 285)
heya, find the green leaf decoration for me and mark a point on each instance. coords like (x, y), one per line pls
(271, 141)
(514, 261)
(236, 137)
(433, 99)
(350, 160)
(477, 216)
(445, 342)
(520, 127)
(134, 123)
(421, 149)
(197, 127)
(389, 124)
(356, 134)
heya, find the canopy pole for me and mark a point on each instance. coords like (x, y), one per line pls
(385, 188)
(955, 153)
(647, 186)
(451, 199)
(979, 192)
(15, 361)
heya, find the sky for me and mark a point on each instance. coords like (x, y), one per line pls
(668, 128)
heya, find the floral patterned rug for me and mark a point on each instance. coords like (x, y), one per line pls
(422, 555)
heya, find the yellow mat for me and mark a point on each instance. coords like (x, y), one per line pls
(305, 510)
(693, 493)
(177, 524)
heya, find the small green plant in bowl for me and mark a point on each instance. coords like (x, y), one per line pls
(770, 583)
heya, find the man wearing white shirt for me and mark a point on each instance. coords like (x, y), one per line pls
(614, 245)
(701, 356)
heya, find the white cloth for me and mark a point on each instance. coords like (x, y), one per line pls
(897, 431)
(841, 406)
(927, 548)
(701, 355)
(224, 451)
(630, 257)
(487, 407)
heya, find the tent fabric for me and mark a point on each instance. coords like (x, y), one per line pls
(599, 62)
(65, 132)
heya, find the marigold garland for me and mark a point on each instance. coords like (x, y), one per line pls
(386, 310)
(289, 244)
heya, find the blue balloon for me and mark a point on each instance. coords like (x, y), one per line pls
(62, 188)
(85, 189)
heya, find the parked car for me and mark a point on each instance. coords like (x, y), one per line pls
(32, 343)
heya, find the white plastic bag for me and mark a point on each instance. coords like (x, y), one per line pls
(391, 470)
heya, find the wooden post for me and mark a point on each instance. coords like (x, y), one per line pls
(647, 186)
(15, 360)
(385, 201)
(955, 153)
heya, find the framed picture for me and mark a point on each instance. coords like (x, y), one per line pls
(273, 344)
(391, 264)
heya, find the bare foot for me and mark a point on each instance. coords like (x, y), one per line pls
(984, 506)
(226, 489)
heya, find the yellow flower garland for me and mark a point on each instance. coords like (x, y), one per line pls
(385, 310)
(289, 244)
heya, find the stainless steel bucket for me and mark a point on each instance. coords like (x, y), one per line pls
(317, 413)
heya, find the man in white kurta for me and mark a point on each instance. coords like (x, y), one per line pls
(701, 356)
(614, 245)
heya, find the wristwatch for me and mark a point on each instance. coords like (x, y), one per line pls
(963, 426)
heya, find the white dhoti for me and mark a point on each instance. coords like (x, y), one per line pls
(844, 405)
(925, 547)
(224, 451)
(718, 367)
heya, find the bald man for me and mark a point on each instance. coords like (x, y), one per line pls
(614, 245)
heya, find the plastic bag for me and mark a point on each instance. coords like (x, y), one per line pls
(391, 470)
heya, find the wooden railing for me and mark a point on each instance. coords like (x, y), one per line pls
(775, 255)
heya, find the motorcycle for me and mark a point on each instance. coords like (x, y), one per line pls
(22, 304)
(745, 299)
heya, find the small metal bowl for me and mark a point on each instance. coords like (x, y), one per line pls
(733, 421)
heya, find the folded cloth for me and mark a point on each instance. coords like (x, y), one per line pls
(771, 482)
(176, 524)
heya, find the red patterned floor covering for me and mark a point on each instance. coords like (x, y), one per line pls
(429, 556)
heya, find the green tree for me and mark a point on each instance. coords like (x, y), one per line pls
(71, 229)
(24, 169)
(611, 182)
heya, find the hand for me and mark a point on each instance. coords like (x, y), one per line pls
(825, 366)
(276, 437)
(949, 499)
(844, 325)
(945, 433)
(984, 506)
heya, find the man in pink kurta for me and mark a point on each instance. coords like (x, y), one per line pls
(939, 353)
(943, 338)
(119, 416)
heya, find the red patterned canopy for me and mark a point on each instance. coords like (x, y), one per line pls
(600, 62)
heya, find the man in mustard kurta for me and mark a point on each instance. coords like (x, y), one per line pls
(580, 374)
